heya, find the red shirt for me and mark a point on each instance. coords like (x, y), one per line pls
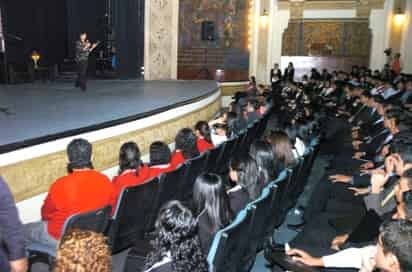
(128, 179)
(78, 192)
(156, 170)
(203, 145)
(177, 158)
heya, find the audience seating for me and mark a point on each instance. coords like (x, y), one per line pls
(131, 218)
(213, 158)
(230, 245)
(195, 167)
(97, 221)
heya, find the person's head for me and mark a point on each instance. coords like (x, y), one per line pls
(185, 141)
(220, 129)
(231, 122)
(394, 247)
(210, 196)
(404, 185)
(176, 234)
(83, 36)
(244, 171)
(397, 55)
(79, 152)
(282, 148)
(262, 153)
(276, 66)
(83, 250)
(129, 157)
(252, 105)
(402, 154)
(160, 153)
(290, 65)
(202, 129)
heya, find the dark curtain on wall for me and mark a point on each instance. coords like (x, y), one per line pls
(35, 25)
(85, 16)
(129, 36)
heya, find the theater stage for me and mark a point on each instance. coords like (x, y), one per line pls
(36, 113)
(38, 120)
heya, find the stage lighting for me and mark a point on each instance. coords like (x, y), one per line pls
(35, 56)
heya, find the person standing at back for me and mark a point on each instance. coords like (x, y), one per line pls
(82, 190)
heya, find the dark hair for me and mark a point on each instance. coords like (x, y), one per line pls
(282, 148)
(204, 130)
(159, 153)
(407, 201)
(210, 196)
(79, 152)
(129, 157)
(268, 167)
(176, 233)
(247, 171)
(232, 124)
(397, 239)
(186, 142)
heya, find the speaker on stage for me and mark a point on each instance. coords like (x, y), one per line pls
(208, 31)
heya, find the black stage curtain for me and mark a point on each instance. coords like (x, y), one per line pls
(129, 33)
(85, 16)
(35, 25)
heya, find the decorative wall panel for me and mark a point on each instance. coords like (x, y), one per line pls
(161, 39)
(338, 38)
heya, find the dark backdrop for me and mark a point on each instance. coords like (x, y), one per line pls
(129, 33)
(52, 27)
(42, 26)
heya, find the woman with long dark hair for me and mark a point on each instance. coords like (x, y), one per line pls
(268, 166)
(212, 206)
(185, 147)
(244, 172)
(131, 172)
(176, 247)
(282, 148)
(160, 156)
(204, 138)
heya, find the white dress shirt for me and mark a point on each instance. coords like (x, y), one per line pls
(350, 258)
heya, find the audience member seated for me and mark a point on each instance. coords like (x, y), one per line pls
(282, 149)
(132, 171)
(12, 247)
(204, 139)
(268, 167)
(82, 190)
(251, 113)
(176, 246)
(83, 250)
(219, 134)
(185, 147)
(392, 252)
(160, 156)
(245, 174)
(212, 208)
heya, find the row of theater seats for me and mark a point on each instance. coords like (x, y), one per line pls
(234, 248)
(138, 206)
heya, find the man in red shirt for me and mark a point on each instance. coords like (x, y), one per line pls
(82, 190)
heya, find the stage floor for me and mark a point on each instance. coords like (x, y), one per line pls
(39, 112)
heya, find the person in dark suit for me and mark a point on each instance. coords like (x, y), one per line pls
(275, 73)
(212, 207)
(289, 74)
(83, 49)
(243, 172)
(176, 246)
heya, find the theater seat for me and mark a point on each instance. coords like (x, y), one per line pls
(195, 167)
(230, 244)
(213, 159)
(96, 221)
(131, 218)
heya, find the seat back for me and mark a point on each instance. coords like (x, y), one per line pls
(230, 245)
(251, 134)
(262, 125)
(195, 167)
(228, 149)
(97, 221)
(213, 158)
(262, 211)
(131, 220)
(278, 214)
(240, 145)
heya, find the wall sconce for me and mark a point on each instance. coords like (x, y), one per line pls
(399, 17)
(35, 56)
(264, 19)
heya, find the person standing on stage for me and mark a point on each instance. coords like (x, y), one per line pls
(83, 49)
